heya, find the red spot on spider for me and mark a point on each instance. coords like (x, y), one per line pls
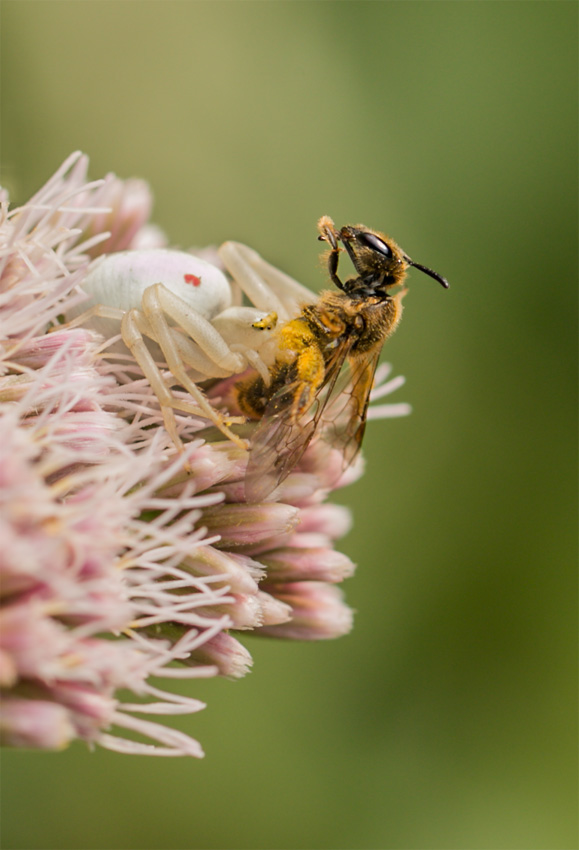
(192, 278)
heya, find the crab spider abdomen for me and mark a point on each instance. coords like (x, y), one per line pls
(119, 280)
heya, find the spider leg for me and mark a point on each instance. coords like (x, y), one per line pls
(250, 334)
(265, 286)
(159, 302)
(134, 326)
(98, 311)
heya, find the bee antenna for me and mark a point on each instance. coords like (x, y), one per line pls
(442, 280)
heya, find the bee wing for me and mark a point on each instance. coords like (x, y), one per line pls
(344, 419)
(281, 438)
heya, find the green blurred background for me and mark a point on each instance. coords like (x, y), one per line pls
(447, 718)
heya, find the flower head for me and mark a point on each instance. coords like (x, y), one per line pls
(122, 558)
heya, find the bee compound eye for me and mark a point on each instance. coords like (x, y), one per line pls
(374, 242)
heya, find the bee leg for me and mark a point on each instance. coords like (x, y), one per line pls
(328, 233)
(311, 371)
(310, 367)
(333, 257)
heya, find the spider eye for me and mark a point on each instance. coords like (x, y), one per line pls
(372, 241)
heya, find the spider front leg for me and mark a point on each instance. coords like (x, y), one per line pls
(158, 302)
(133, 327)
(265, 286)
(250, 333)
(204, 347)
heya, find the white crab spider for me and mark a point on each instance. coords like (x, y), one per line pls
(176, 307)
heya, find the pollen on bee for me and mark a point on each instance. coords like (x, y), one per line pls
(267, 323)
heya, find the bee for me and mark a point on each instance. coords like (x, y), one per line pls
(344, 327)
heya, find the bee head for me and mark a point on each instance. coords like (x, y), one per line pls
(379, 261)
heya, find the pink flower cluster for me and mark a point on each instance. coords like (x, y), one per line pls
(121, 559)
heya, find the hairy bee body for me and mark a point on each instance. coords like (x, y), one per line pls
(309, 344)
(347, 326)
